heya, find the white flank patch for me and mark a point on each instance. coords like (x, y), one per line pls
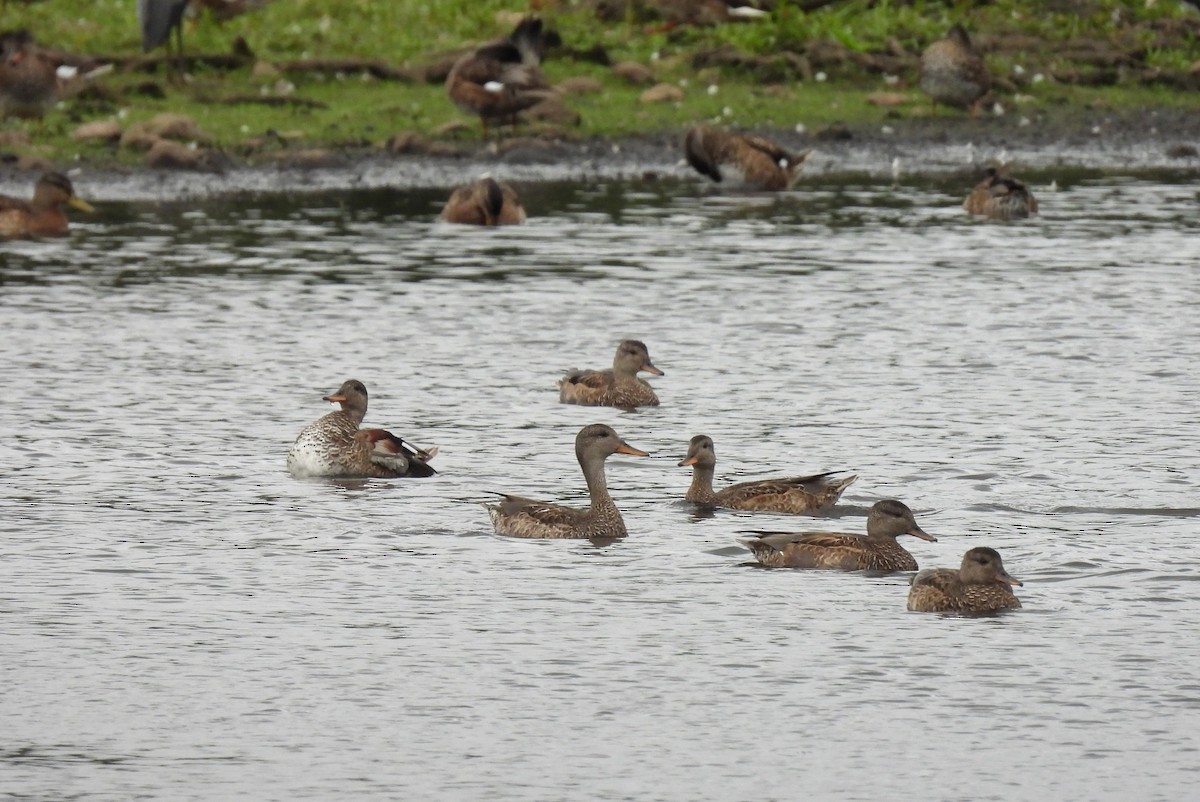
(494, 86)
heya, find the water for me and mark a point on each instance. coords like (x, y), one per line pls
(183, 620)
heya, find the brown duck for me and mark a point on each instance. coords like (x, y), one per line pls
(485, 202)
(333, 446)
(953, 73)
(981, 585)
(500, 79)
(28, 77)
(43, 216)
(756, 162)
(878, 551)
(523, 517)
(797, 494)
(619, 387)
(1000, 197)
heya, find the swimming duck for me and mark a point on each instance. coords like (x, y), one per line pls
(498, 80)
(333, 446)
(522, 517)
(981, 585)
(485, 202)
(619, 387)
(953, 73)
(798, 494)
(757, 162)
(1001, 197)
(878, 551)
(42, 216)
(28, 78)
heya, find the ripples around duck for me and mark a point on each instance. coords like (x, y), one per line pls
(184, 620)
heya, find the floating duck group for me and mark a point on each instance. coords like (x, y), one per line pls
(335, 446)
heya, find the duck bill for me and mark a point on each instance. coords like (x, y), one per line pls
(335, 399)
(921, 533)
(1004, 578)
(625, 448)
(689, 461)
(79, 203)
(648, 368)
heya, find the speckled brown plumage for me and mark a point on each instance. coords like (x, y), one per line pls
(757, 162)
(795, 494)
(522, 517)
(619, 387)
(333, 446)
(953, 72)
(1000, 197)
(500, 79)
(43, 216)
(980, 585)
(878, 551)
(485, 202)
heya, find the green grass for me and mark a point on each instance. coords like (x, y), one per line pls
(408, 32)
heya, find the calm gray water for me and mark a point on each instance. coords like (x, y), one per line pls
(180, 619)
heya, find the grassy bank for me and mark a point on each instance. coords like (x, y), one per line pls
(790, 68)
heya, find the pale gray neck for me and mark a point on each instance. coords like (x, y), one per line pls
(597, 484)
(702, 484)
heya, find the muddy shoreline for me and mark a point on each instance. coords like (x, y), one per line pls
(1127, 142)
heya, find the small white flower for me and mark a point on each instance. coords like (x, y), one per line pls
(820, 77)
(1038, 78)
(891, 80)
(712, 89)
(801, 128)
(1018, 69)
(887, 129)
(1024, 121)
(728, 112)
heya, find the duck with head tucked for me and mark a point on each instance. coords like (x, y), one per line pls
(486, 202)
(953, 73)
(795, 494)
(1000, 197)
(28, 77)
(523, 517)
(333, 445)
(878, 551)
(500, 79)
(751, 161)
(43, 216)
(619, 387)
(980, 585)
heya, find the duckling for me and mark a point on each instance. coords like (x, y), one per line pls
(333, 446)
(619, 387)
(756, 162)
(878, 551)
(1000, 197)
(796, 494)
(42, 216)
(523, 517)
(500, 79)
(980, 585)
(953, 73)
(485, 202)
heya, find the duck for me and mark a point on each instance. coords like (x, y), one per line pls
(619, 387)
(498, 80)
(28, 77)
(1000, 197)
(878, 551)
(522, 517)
(981, 585)
(794, 494)
(753, 161)
(43, 216)
(952, 71)
(333, 446)
(485, 202)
